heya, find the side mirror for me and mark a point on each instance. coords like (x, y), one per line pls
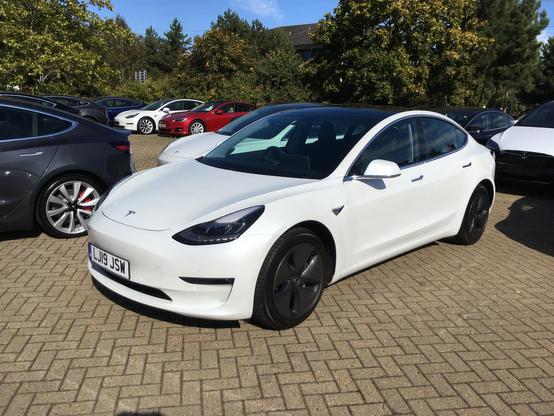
(381, 169)
(218, 112)
(166, 110)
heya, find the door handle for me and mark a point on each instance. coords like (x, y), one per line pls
(418, 179)
(467, 166)
(31, 154)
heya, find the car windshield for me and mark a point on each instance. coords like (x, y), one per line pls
(245, 120)
(301, 144)
(542, 116)
(206, 107)
(155, 105)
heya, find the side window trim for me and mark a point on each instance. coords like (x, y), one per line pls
(35, 125)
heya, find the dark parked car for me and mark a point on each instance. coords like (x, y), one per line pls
(54, 167)
(481, 123)
(35, 99)
(116, 105)
(87, 109)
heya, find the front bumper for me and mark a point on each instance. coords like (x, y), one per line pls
(157, 262)
(525, 165)
(173, 129)
(123, 123)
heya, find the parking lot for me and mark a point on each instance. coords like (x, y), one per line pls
(442, 330)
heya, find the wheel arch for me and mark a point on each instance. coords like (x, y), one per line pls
(55, 176)
(487, 183)
(199, 121)
(324, 235)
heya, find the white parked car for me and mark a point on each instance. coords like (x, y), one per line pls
(526, 150)
(192, 147)
(146, 119)
(258, 233)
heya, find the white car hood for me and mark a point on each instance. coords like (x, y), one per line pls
(192, 147)
(181, 194)
(527, 139)
(138, 111)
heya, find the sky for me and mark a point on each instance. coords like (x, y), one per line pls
(196, 15)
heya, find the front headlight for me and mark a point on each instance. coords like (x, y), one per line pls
(132, 115)
(224, 229)
(179, 120)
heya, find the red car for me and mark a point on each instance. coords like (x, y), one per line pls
(210, 116)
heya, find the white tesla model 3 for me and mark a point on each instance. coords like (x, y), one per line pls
(146, 120)
(258, 227)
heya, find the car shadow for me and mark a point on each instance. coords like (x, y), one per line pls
(154, 413)
(19, 235)
(159, 314)
(531, 218)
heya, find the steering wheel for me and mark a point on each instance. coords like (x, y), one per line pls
(274, 155)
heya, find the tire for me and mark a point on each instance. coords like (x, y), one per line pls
(65, 205)
(146, 126)
(475, 218)
(196, 127)
(287, 293)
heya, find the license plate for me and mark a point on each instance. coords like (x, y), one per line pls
(162, 125)
(109, 262)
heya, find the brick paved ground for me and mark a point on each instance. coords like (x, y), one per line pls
(443, 330)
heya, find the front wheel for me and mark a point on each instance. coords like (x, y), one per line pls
(146, 125)
(66, 204)
(291, 280)
(196, 127)
(475, 218)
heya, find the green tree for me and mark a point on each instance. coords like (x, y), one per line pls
(510, 63)
(175, 45)
(125, 53)
(54, 44)
(240, 60)
(396, 52)
(153, 51)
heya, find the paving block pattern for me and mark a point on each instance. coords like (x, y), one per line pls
(443, 330)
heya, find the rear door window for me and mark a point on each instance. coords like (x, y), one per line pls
(21, 124)
(441, 137)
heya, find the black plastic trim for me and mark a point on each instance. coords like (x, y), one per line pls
(147, 290)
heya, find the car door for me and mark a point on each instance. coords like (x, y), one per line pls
(224, 115)
(26, 150)
(478, 127)
(387, 216)
(447, 162)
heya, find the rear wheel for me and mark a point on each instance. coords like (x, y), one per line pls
(66, 204)
(146, 125)
(475, 218)
(196, 127)
(291, 280)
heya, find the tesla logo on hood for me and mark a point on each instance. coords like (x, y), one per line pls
(524, 155)
(130, 212)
